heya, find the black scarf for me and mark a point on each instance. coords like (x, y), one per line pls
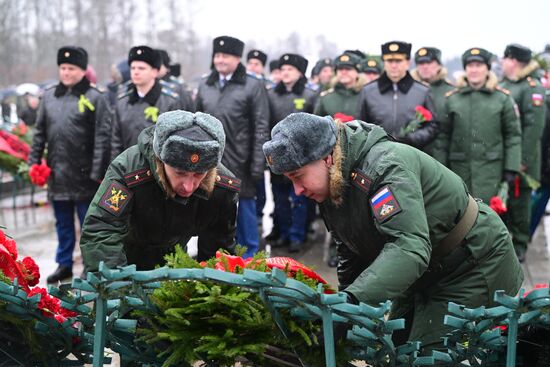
(150, 98)
(297, 88)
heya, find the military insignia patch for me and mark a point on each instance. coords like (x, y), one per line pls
(384, 204)
(231, 183)
(115, 199)
(344, 58)
(422, 52)
(371, 63)
(394, 47)
(537, 99)
(195, 158)
(360, 180)
(138, 177)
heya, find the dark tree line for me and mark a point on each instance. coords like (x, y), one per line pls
(31, 31)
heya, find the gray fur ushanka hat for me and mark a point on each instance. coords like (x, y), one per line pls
(192, 142)
(299, 139)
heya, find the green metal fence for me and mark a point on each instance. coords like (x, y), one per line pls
(104, 300)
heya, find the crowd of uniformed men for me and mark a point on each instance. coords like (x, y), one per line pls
(486, 130)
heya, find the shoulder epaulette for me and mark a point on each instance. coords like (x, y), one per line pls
(328, 91)
(50, 86)
(532, 83)
(503, 90)
(360, 180)
(252, 75)
(98, 88)
(175, 80)
(138, 177)
(228, 182)
(451, 92)
(170, 92)
(166, 84)
(423, 83)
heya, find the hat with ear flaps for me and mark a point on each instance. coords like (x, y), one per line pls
(299, 139)
(191, 142)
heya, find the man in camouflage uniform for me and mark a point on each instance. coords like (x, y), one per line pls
(161, 192)
(144, 100)
(74, 125)
(520, 79)
(406, 227)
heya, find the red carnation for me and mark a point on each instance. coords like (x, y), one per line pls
(423, 114)
(48, 304)
(39, 173)
(11, 246)
(342, 117)
(51, 306)
(498, 202)
(30, 270)
(497, 205)
(232, 262)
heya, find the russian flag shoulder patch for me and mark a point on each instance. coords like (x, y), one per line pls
(537, 99)
(384, 204)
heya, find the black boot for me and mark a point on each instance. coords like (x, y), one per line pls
(61, 273)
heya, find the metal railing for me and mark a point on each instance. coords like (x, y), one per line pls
(104, 300)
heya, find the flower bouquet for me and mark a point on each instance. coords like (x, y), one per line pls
(422, 116)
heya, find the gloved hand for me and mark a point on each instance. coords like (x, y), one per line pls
(509, 176)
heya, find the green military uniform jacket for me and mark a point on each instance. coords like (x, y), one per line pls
(132, 220)
(339, 99)
(390, 206)
(529, 96)
(439, 87)
(480, 136)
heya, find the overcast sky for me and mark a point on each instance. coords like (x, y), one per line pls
(452, 26)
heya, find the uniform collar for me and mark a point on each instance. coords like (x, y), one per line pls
(239, 76)
(150, 98)
(385, 84)
(298, 87)
(78, 89)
